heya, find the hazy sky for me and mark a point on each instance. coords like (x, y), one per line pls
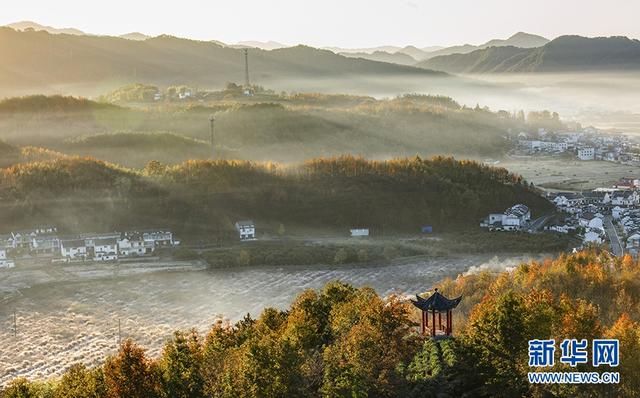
(346, 23)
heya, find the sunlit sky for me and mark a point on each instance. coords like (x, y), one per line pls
(345, 23)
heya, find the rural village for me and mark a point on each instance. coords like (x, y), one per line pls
(579, 143)
(44, 242)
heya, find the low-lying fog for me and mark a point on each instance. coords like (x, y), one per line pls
(605, 100)
(72, 314)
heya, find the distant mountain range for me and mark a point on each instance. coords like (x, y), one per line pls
(390, 53)
(28, 25)
(37, 59)
(520, 39)
(564, 54)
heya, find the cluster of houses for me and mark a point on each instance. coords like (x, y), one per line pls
(45, 242)
(586, 213)
(515, 218)
(586, 144)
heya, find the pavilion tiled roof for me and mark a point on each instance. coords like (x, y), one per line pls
(436, 302)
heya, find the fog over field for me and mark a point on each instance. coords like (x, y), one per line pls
(62, 323)
(608, 100)
(605, 100)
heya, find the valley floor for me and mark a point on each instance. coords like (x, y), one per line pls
(562, 174)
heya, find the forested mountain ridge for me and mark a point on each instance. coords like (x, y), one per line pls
(37, 60)
(564, 54)
(206, 197)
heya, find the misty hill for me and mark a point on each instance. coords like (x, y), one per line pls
(39, 60)
(381, 56)
(417, 53)
(51, 104)
(27, 25)
(564, 54)
(126, 147)
(135, 36)
(368, 50)
(263, 45)
(285, 128)
(9, 154)
(208, 196)
(520, 40)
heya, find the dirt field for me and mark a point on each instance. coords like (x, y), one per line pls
(69, 314)
(570, 174)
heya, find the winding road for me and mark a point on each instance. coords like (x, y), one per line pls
(616, 246)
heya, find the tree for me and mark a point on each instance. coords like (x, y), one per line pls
(628, 333)
(180, 366)
(494, 346)
(80, 382)
(129, 373)
(19, 388)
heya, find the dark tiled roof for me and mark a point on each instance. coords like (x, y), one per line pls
(73, 243)
(105, 241)
(436, 302)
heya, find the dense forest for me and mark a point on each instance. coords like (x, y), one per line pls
(343, 341)
(285, 127)
(206, 197)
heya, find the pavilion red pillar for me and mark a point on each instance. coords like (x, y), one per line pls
(433, 323)
(425, 321)
(439, 320)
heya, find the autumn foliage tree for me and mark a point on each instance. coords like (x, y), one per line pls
(129, 374)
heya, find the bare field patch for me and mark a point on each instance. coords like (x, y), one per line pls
(562, 174)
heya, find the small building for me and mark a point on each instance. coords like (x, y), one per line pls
(4, 261)
(359, 232)
(616, 212)
(132, 245)
(633, 241)
(513, 219)
(587, 153)
(246, 229)
(105, 249)
(45, 244)
(75, 249)
(592, 237)
(436, 304)
(158, 238)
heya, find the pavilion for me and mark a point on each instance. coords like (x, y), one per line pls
(436, 303)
